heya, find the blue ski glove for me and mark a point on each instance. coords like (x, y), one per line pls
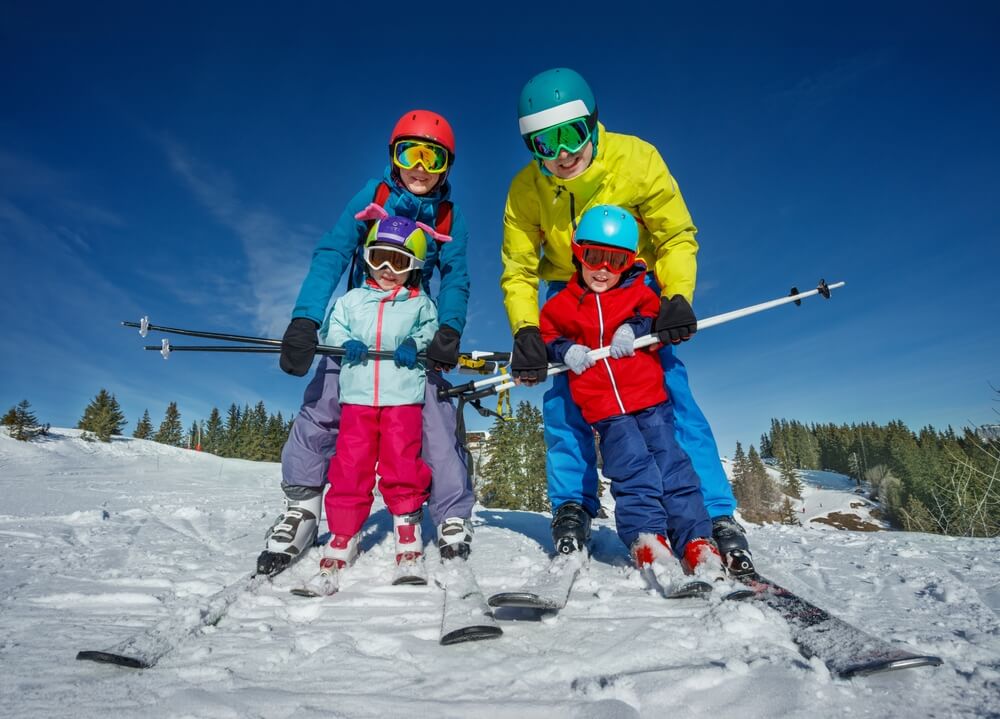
(355, 351)
(406, 354)
(621, 342)
(577, 359)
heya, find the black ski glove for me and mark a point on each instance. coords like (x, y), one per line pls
(675, 322)
(298, 346)
(443, 349)
(529, 362)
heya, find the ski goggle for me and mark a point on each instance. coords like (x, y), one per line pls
(399, 261)
(570, 136)
(596, 257)
(407, 154)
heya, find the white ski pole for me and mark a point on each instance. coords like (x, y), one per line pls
(504, 382)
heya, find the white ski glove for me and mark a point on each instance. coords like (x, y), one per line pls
(621, 342)
(577, 359)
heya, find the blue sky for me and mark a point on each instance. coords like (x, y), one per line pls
(180, 160)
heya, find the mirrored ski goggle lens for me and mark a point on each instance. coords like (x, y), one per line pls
(570, 136)
(407, 154)
(395, 260)
(595, 258)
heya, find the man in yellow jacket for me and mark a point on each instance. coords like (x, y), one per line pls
(579, 164)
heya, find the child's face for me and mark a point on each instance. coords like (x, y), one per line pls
(389, 280)
(599, 280)
(569, 165)
(418, 180)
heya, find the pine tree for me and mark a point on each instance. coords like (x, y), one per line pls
(212, 441)
(791, 484)
(171, 431)
(22, 423)
(231, 435)
(144, 428)
(501, 466)
(788, 515)
(740, 481)
(532, 487)
(192, 436)
(102, 417)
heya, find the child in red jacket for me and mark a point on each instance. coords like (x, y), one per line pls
(607, 303)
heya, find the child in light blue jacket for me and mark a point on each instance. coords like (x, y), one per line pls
(381, 400)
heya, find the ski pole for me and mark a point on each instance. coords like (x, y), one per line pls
(481, 361)
(165, 348)
(502, 382)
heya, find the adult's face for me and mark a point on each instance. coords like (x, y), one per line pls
(570, 164)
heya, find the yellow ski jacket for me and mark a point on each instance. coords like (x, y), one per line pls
(542, 212)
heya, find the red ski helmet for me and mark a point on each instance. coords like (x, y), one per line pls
(426, 125)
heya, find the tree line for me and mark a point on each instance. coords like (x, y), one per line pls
(927, 481)
(244, 433)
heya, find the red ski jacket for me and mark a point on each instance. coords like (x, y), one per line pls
(576, 315)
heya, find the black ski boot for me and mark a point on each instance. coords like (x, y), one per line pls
(454, 537)
(570, 528)
(731, 538)
(293, 532)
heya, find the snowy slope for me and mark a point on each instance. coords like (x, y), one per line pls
(101, 541)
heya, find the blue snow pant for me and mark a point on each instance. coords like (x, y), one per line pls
(571, 461)
(654, 485)
(305, 458)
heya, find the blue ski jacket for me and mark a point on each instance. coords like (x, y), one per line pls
(341, 246)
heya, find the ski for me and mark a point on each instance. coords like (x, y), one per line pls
(465, 616)
(845, 649)
(144, 650)
(319, 585)
(410, 571)
(550, 589)
(692, 588)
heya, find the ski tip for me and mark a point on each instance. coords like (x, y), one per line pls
(111, 658)
(410, 580)
(877, 667)
(522, 600)
(471, 634)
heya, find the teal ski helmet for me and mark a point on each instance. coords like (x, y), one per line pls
(553, 97)
(608, 225)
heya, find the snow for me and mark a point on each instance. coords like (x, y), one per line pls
(103, 541)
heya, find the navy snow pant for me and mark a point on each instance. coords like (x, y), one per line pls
(654, 485)
(305, 458)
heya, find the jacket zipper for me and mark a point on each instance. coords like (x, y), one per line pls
(607, 363)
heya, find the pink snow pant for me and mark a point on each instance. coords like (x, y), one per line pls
(389, 436)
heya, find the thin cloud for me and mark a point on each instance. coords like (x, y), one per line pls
(274, 249)
(824, 87)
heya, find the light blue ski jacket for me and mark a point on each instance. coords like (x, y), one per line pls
(382, 320)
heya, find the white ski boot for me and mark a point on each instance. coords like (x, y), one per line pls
(409, 549)
(454, 538)
(292, 533)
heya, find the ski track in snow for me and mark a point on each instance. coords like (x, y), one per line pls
(104, 541)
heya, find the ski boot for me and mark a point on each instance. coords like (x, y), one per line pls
(409, 548)
(339, 553)
(570, 528)
(293, 532)
(731, 539)
(454, 536)
(648, 549)
(702, 559)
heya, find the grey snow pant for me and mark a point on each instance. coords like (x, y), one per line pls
(305, 458)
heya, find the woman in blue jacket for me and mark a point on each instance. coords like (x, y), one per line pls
(415, 185)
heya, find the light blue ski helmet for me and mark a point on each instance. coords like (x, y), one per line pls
(553, 97)
(608, 225)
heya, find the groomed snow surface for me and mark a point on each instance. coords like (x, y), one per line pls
(101, 541)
